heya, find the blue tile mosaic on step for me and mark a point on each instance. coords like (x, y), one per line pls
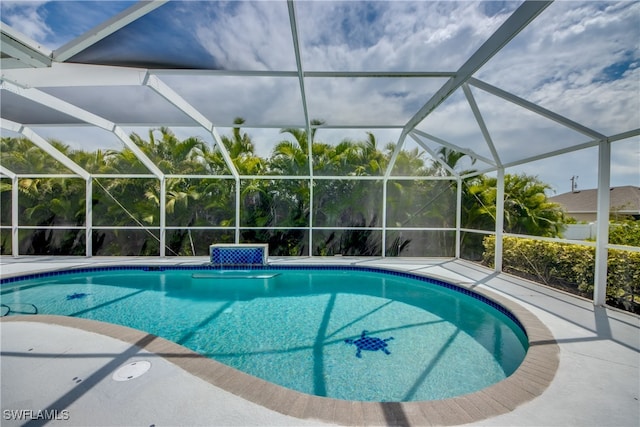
(242, 256)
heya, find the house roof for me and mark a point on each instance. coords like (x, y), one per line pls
(624, 199)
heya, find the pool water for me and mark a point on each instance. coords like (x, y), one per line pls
(302, 328)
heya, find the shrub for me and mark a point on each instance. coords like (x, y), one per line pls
(624, 233)
(570, 267)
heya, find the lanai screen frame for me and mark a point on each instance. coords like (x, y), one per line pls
(20, 52)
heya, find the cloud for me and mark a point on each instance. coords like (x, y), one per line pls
(247, 36)
(625, 162)
(54, 23)
(362, 101)
(559, 62)
(259, 100)
(579, 59)
(28, 18)
(391, 35)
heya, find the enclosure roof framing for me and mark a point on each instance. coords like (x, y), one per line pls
(200, 65)
(526, 13)
(19, 51)
(105, 29)
(536, 109)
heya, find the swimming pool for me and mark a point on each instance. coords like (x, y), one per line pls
(302, 327)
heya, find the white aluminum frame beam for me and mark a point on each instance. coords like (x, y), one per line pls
(322, 74)
(36, 139)
(293, 23)
(394, 156)
(45, 146)
(380, 74)
(434, 155)
(105, 29)
(455, 147)
(107, 75)
(303, 92)
(624, 135)
(481, 123)
(536, 109)
(7, 173)
(75, 75)
(57, 104)
(613, 138)
(518, 20)
(55, 153)
(181, 104)
(26, 51)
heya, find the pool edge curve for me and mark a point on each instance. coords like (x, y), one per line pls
(530, 379)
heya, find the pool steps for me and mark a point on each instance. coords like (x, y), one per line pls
(226, 275)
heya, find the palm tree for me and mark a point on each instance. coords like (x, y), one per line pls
(292, 157)
(451, 158)
(22, 156)
(408, 162)
(173, 155)
(242, 151)
(373, 160)
(347, 202)
(97, 161)
(526, 208)
(45, 201)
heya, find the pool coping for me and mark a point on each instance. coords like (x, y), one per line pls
(530, 380)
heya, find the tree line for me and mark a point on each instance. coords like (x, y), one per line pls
(202, 210)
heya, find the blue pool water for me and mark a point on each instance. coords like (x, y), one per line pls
(355, 334)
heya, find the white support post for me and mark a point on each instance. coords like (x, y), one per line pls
(238, 195)
(602, 224)
(88, 222)
(311, 182)
(499, 220)
(15, 247)
(163, 216)
(384, 217)
(311, 219)
(458, 215)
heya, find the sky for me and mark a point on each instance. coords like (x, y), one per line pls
(578, 59)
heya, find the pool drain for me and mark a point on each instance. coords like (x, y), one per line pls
(131, 370)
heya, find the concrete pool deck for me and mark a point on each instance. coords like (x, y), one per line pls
(63, 364)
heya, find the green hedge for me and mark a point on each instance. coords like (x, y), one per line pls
(570, 267)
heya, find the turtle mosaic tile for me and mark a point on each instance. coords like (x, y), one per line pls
(369, 343)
